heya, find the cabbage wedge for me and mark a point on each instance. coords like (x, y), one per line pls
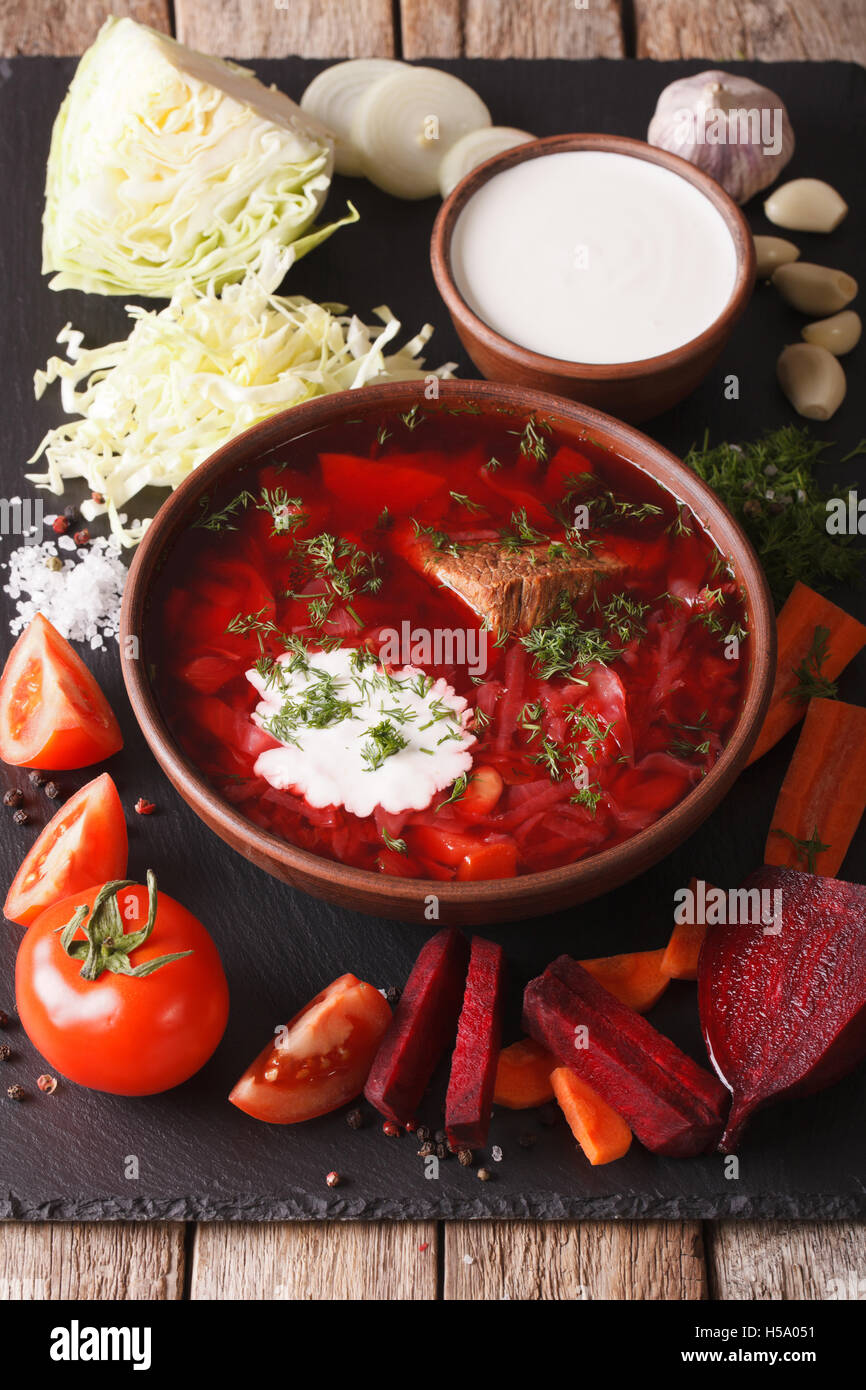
(168, 166)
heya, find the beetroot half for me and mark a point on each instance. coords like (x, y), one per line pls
(421, 1029)
(671, 1104)
(479, 1035)
(785, 1014)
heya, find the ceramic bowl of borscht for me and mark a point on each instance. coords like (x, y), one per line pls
(491, 647)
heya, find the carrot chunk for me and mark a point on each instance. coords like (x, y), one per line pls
(680, 959)
(816, 640)
(600, 1131)
(637, 978)
(823, 795)
(523, 1076)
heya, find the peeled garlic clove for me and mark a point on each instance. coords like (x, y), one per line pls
(838, 334)
(771, 252)
(812, 380)
(814, 289)
(806, 205)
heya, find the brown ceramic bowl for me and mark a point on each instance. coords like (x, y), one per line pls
(459, 903)
(631, 390)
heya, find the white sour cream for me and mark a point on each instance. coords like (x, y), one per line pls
(593, 257)
(328, 765)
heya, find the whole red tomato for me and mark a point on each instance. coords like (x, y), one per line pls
(130, 998)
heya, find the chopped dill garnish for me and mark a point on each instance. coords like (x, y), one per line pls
(398, 846)
(383, 741)
(457, 791)
(588, 796)
(807, 850)
(810, 683)
(463, 501)
(532, 442)
(412, 418)
(223, 519)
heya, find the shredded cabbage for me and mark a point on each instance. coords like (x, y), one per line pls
(197, 372)
(167, 164)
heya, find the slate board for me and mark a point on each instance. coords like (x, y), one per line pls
(67, 1155)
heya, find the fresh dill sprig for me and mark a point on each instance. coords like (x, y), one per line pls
(807, 851)
(383, 741)
(811, 684)
(771, 487)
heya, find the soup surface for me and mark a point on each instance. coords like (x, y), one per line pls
(590, 256)
(449, 646)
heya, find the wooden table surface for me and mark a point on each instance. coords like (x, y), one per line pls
(453, 1260)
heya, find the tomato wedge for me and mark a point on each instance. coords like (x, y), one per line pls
(52, 712)
(320, 1060)
(84, 843)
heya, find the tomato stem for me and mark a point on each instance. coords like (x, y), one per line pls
(107, 945)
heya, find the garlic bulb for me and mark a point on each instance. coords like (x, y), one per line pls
(731, 127)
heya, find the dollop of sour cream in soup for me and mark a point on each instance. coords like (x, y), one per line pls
(593, 257)
(355, 735)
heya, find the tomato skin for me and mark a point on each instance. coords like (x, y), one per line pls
(124, 1035)
(313, 1076)
(482, 793)
(83, 843)
(498, 860)
(52, 711)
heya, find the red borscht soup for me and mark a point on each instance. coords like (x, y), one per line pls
(449, 645)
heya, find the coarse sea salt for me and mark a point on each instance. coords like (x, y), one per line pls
(81, 598)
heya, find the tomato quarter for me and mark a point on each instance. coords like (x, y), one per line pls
(320, 1060)
(52, 712)
(84, 843)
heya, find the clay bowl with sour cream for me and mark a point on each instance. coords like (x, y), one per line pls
(594, 266)
(233, 542)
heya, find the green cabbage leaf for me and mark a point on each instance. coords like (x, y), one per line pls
(167, 166)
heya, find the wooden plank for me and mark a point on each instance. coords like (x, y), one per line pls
(728, 29)
(106, 1261)
(574, 1260)
(512, 29)
(786, 1259)
(275, 28)
(68, 26)
(321, 1260)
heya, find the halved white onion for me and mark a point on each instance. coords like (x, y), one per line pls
(405, 124)
(473, 148)
(332, 97)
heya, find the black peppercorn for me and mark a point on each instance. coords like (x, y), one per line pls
(36, 778)
(52, 791)
(441, 1137)
(20, 817)
(423, 1132)
(5, 1052)
(354, 1119)
(464, 1158)
(15, 1092)
(13, 797)
(426, 1150)
(441, 1151)
(392, 995)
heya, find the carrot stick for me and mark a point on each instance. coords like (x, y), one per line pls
(637, 979)
(680, 959)
(816, 640)
(823, 795)
(523, 1076)
(600, 1131)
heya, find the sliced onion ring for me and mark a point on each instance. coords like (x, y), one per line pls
(332, 97)
(473, 148)
(405, 124)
